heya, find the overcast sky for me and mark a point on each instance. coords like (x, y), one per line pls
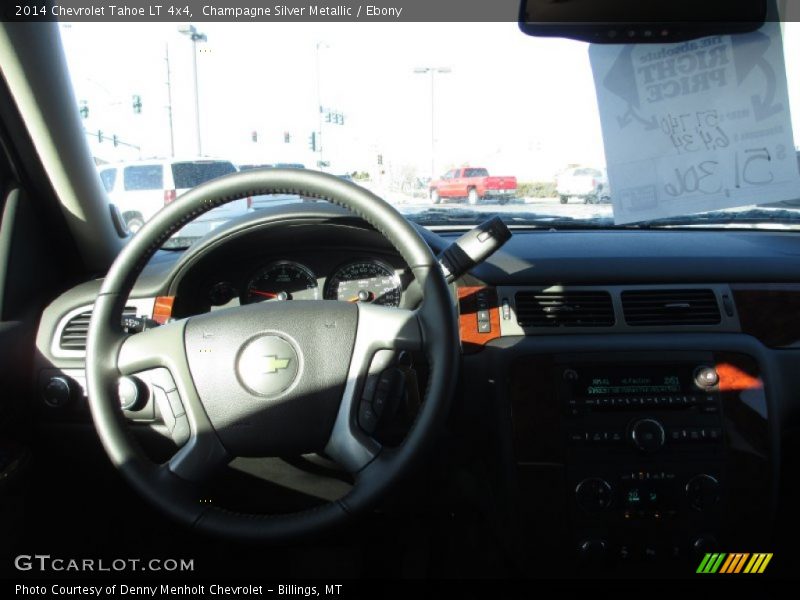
(512, 103)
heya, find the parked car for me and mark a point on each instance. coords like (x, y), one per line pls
(474, 184)
(140, 189)
(585, 183)
(265, 200)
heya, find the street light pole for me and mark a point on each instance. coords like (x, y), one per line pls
(433, 130)
(195, 36)
(433, 71)
(169, 102)
(319, 102)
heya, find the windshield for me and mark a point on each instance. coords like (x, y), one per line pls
(490, 122)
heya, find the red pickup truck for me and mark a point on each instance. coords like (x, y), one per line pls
(474, 184)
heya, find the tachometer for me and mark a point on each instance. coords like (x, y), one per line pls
(281, 281)
(365, 281)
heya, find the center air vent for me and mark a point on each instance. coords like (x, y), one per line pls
(564, 309)
(670, 307)
(73, 336)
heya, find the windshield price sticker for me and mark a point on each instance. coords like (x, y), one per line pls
(698, 126)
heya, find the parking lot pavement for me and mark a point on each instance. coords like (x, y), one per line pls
(545, 206)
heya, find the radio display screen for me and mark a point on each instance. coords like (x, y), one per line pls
(626, 382)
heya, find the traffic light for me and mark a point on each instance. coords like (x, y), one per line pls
(312, 141)
(254, 136)
(286, 137)
(115, 140)
(380, 159)
(99, 136)
(137, 104)
(84, 109)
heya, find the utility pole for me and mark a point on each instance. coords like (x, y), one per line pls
(433, 71)
(195, 36)
(319, 103)
(169, 102)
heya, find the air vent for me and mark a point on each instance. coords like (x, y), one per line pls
(73, 336)
(564, 309)
(670, 307)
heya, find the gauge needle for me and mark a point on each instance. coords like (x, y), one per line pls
(362, 296)
(265, 294)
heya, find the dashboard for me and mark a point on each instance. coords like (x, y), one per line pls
(631, 388)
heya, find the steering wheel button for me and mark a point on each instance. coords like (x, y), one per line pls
(175, 403)
(164, 408)
(380, 362)
(181, 431)
(367, 418)
(163, 379)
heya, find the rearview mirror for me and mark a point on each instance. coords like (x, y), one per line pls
(640, 21)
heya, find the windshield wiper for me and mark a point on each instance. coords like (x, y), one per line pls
(531, 220)
(446, 216)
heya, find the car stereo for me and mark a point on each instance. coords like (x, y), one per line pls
(647, 451)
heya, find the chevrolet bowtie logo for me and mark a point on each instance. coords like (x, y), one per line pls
(275, 364)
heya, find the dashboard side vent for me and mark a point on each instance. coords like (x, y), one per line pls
(670, 307)
(73, 336)
(564, 309)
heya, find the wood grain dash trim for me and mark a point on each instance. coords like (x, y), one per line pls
(471, 340)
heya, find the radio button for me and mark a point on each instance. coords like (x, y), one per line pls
(705, 377)
(570, 375)
(577, 438)
(647, 435)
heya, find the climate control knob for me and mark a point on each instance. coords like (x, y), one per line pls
(593, 494)
(702, 491)
(57, 392)
(647, 435)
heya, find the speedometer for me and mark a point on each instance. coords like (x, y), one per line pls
(281, 281)
(365, 281)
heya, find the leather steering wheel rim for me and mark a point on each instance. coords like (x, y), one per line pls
(172, 487)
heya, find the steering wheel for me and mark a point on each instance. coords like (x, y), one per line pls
(270, 379)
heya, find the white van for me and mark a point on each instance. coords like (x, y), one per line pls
(140, 189)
